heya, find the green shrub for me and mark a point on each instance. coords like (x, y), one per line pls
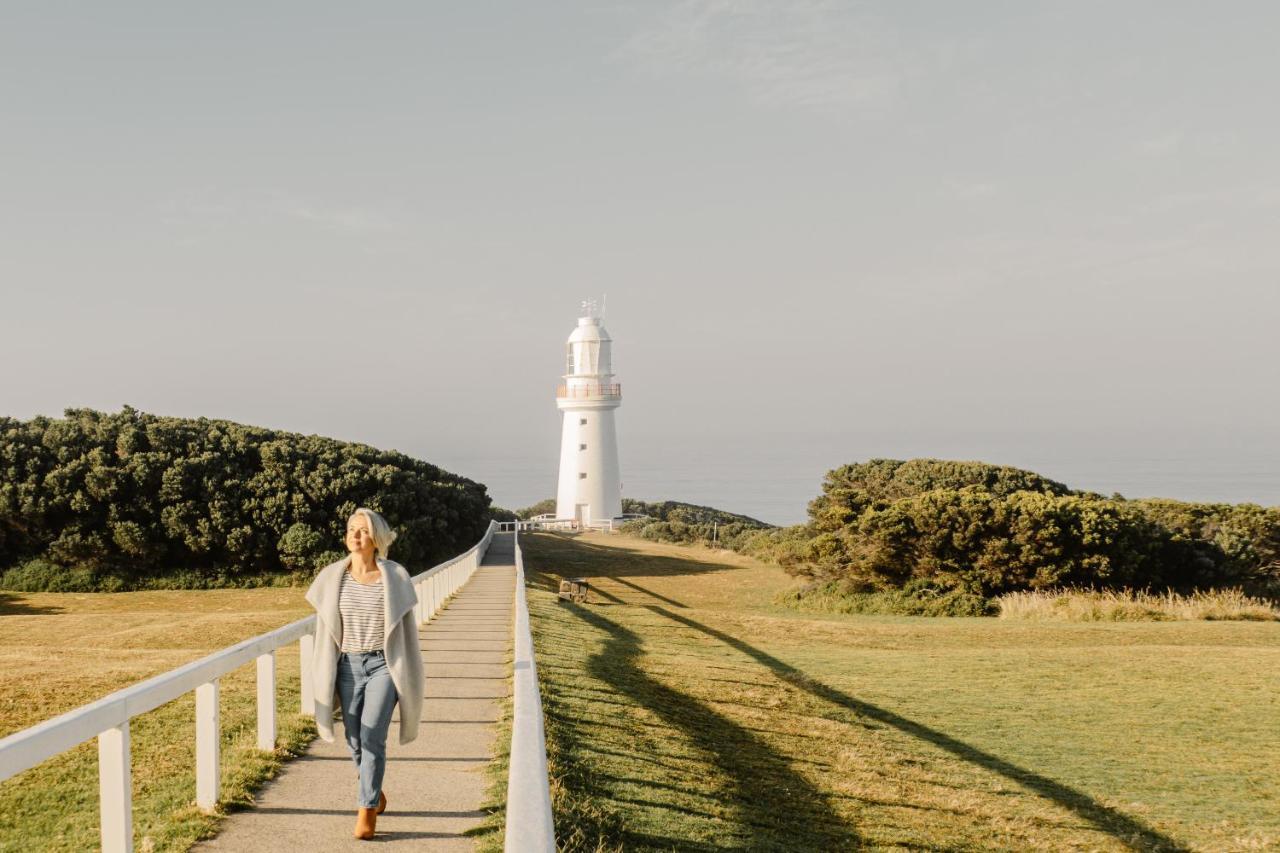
(129, 500)
(301, 546)
(691, 514)
(936, 537)
(43, 576)
(542, 507)
(497, 513)
(1220, 545)
(850, 489)
(978, 530)
(915, 599)
(681, 523)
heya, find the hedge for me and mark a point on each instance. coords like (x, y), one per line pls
(986, 530)
(132, 500)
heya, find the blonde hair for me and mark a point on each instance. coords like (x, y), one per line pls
(382, 533)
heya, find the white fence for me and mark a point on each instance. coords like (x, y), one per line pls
(567, 524)
(109, 717)
(538, 524)
(529, 825)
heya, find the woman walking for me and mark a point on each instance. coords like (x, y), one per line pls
(366, 649)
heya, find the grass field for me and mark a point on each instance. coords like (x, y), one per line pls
(685, 711)
(60, 651)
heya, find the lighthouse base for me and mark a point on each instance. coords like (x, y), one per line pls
(590, 487)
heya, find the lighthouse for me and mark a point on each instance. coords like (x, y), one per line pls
(590, 489)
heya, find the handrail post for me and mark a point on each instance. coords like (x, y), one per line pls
(115, 790)
(208, 745)
(306, 646)
(267, 701)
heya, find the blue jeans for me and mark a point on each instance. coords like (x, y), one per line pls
(368, 697)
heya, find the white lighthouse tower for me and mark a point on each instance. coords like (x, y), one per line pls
(590, 487)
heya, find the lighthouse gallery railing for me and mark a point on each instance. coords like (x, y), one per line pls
(585, 392)
(109, 717)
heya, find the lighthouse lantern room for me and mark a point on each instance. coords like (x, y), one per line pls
(590, 488)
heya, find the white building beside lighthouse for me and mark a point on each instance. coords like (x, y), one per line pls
(590, 489)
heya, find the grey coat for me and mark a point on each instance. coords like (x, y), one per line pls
(404, 655)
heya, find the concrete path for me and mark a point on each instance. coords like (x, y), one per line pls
(435, 785)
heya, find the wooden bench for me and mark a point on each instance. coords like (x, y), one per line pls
(574, 589)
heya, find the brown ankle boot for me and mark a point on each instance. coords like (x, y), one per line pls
(366, 824)
(382, 802)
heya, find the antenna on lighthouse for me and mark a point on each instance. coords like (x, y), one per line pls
(604, 304)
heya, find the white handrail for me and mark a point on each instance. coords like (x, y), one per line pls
(109, 717)
(530, 828)
(436, 584)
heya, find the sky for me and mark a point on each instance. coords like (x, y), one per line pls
(1034, 233)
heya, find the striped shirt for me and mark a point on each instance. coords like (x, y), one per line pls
(362, 609)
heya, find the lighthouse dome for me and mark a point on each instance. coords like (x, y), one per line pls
(589, 351)
(589, 329)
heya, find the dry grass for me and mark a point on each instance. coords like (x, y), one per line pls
(60, 651)
(1088, 605)
(687, 711)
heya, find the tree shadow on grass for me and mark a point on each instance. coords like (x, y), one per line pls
(773, 807)
(572, 557)
(647, 592)
(12, 604)
(1128, 830)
